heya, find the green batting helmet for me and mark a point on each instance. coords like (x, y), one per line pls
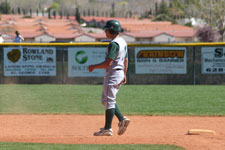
(114, 26)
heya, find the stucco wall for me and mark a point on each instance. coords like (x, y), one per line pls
(44, 38)
(84, 38)
(163, 38)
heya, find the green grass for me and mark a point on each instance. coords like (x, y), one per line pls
(22, 146)
(132, 100)
(199, 100)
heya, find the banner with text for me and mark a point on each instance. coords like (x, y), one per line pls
(160, 60)
(213, 60)
(81, 57)
(29, 61)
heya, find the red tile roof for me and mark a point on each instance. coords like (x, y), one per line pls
(149, 34)
(146, 28)
(98, 35)
(64, 28)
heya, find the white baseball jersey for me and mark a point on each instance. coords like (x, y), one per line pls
(114, 75)
(118, 62)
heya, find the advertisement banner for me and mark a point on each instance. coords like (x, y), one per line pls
(160, 60)
(29, 61)
(79, 58)
(213, 60)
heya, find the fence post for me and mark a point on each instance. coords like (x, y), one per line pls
(194, 82)
(128, 68)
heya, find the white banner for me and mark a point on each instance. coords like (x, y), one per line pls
(29, 61)
(81, 57)
(213, 60)
(160, 60)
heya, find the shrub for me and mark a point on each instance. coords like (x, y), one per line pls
(206, 34)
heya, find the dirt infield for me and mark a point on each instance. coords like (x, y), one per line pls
(78, 129)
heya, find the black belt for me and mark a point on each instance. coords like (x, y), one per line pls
(119, 69)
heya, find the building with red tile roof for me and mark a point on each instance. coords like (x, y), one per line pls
(42, 29)
(144, 30)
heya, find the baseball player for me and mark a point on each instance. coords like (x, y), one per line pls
(115, 64)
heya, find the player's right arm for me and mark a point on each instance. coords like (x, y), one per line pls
(104, 65)
(113, 49)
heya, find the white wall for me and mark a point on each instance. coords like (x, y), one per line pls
(44, 38)
(163, 38)
(128, 38)
(84, 38)
(8, 38)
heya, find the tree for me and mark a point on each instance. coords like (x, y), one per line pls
(164, 17)
(66, 5)
(31, 12)
(5, 7)
(54, 7)
(92, 1)
(89, 12)
(84, 13)
(49, 14)
(77, 15)
(93, 13)
(24, 12)
(19, 10)
(189, 8)
(130, 14)
(37, 12)
(163, 13)
(61, 14)
(210, 11)
(54, 14)
(43, 12)
(176, 9)
(156, 8)
(163, 8)
(113, 13)
(206, 34)
(67, 15)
